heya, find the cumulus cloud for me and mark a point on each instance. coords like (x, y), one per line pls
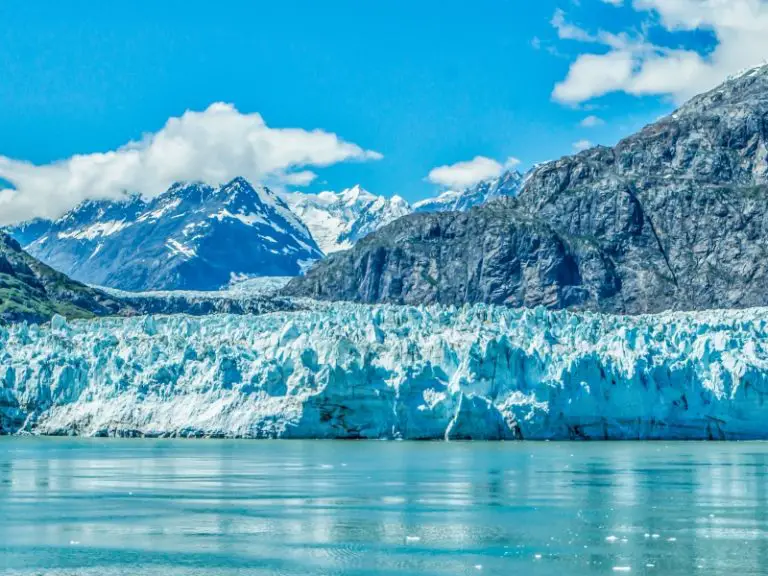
(622, 62)
(581, 145)
(591, 122)
(212, 146)
(470, 172)
(594, 75)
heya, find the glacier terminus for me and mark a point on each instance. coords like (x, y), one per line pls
(385, 372)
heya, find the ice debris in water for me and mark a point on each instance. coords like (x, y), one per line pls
(353, 371)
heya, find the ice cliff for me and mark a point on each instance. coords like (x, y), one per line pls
(353, 371)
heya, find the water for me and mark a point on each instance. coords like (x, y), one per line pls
(128, 507)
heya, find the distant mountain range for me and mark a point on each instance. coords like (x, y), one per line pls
(199, 237)
(673, 217)
(338, 220)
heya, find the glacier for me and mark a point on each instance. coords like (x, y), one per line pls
(388, 372)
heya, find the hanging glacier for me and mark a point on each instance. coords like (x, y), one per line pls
(354, 371)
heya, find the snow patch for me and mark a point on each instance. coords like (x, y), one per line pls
(177, 247)
(95, 230)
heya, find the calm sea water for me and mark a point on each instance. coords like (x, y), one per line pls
(129, 507)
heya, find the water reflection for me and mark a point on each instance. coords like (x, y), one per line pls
(199, 507)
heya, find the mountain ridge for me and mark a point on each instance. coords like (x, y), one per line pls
(96, 242)
(506, 185)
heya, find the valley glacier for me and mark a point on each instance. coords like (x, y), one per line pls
(354, 371)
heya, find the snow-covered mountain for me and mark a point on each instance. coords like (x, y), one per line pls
(198, 237)
(339, 219)
(351, 371)
(508, 184)
(193, 236)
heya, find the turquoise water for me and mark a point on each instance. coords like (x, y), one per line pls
(129, 507)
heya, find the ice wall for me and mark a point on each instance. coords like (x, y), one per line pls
(349, 371)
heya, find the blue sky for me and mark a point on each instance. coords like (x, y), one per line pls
(424, 84)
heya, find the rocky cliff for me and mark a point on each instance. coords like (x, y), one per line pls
(674, 217)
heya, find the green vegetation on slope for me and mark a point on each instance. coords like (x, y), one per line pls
(32, 291)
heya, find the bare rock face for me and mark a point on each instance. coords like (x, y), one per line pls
(492, 254)
(674, 217)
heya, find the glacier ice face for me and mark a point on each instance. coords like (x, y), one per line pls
(352, 371)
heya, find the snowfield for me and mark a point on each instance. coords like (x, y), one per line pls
(351, 371)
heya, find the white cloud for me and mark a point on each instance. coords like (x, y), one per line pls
(511, 163)
(594, 75)
(638, 67)
(591, 122)
(213, 146)
(581, 145)
(568, 31)
(614, 2)
(470, 172)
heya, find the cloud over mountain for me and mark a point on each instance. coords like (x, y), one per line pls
(470, 172)
(212, 146)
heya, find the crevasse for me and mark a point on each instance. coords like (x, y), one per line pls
(351, 371)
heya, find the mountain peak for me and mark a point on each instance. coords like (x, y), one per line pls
(238, 182)
(742, 90)
(240, 185)
(192, 236)
(355, 195)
